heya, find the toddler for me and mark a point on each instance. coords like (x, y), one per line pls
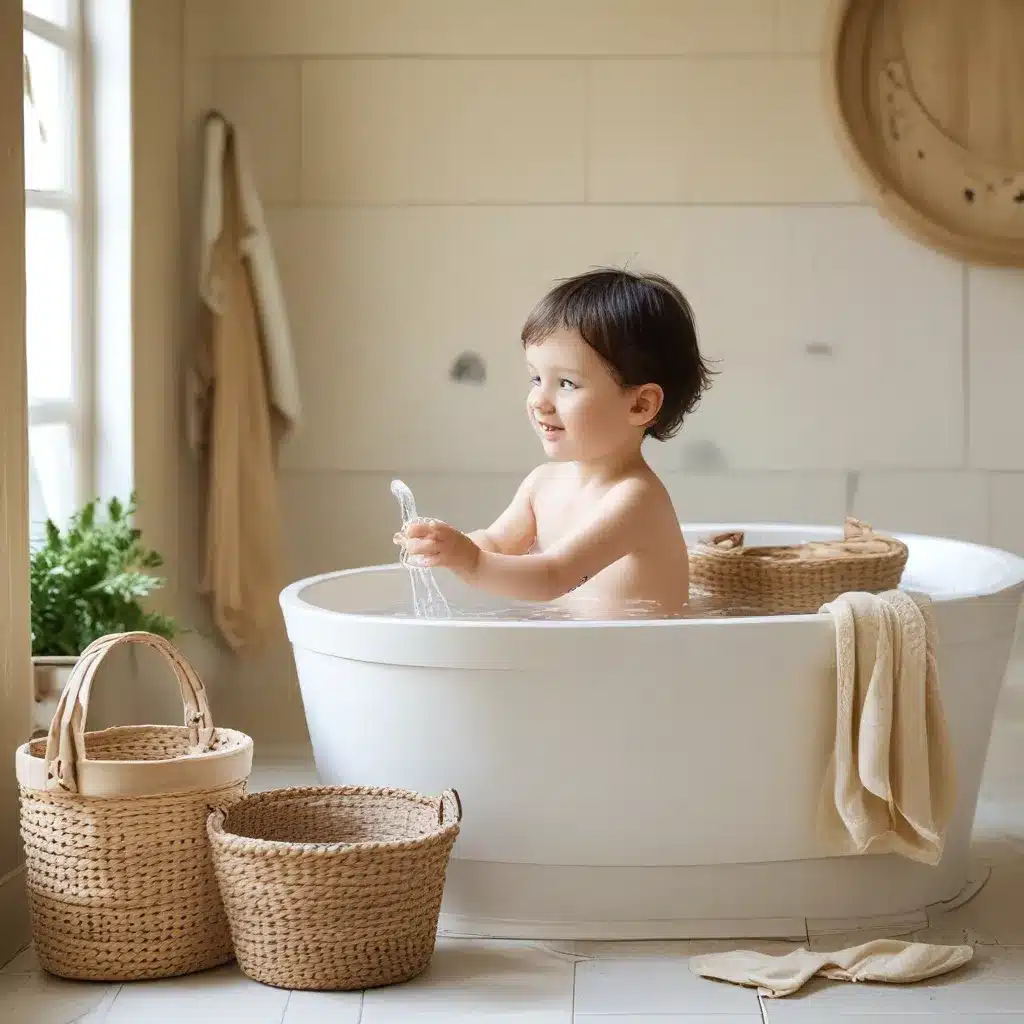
(613, 358)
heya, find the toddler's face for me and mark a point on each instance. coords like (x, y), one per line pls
(575, 404)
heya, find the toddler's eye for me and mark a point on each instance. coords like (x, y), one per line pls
(567, 384)
(535, 381)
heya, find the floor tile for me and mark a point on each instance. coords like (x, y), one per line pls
(992, 983)
(40, 998)
(994, 916)
(469, 1015)
(323, 1008)
(655, 986)
(991, 849)
(473, 980)
(221, 996)
(98, 1014)
(24, 963)
(919, 1018)
(668, 1018)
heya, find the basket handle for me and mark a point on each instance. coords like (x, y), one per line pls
(65, 743)
(450, 802)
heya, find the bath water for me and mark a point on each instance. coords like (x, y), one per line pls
(481, 608)
(427, 600)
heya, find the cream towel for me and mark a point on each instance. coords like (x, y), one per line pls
(882, 960)
(242, 413)
(224, 152)
(889, 783)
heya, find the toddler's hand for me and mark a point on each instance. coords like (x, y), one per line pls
(438, 545)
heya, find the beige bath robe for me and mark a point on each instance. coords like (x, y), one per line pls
(245, 400)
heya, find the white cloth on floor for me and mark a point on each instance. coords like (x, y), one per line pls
(889, 786)
(882, 960)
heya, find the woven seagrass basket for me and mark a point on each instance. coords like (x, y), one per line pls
(119, 876)
(795, 579)
(334, 887)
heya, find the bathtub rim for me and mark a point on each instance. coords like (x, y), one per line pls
(293, 602)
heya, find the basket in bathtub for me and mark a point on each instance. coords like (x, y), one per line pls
(794, 579)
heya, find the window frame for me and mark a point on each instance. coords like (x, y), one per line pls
(77, 412)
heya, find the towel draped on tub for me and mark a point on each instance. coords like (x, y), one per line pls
(889, 786)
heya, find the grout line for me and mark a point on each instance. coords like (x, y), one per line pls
(965, 357)
(572, 1009)
(299, 168)
(708, 56)
(284, 1011)
(852, 487)
(777, 26)
(588, 100)
(501, 204)
(362, 1000)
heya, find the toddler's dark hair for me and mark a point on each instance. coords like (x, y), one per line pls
(641, 325)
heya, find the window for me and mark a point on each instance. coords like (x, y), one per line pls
(57, 338)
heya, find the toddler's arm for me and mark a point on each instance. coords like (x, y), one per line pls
(515, 530)
(617, 528)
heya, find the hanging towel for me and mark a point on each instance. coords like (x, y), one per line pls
(245, 399)
(224, 151)
(882, 960)
(889, 783)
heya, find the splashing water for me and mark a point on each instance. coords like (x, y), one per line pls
(427, 600)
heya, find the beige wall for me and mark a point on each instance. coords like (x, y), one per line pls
(430, 167)
(15, 673)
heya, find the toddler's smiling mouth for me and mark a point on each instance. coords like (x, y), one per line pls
(548, 428)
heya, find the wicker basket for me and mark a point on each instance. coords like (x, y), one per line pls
(797, 579)
(334, 887)
(120, 881)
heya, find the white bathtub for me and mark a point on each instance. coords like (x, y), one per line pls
(640, 779)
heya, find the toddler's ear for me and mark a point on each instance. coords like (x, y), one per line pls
(647, 402)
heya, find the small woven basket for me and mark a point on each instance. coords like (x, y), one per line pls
(119, 876)
(797, 579)
(335, 887)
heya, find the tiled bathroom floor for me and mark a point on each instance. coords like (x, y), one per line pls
(611, 982)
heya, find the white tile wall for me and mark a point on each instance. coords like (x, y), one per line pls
(1006, 511)
(953, 504)
(262, 98)
(442, 131)
(493, 27)
(383, 299)
(344, 520)
(996, 333)
(803, 25)
(713, 130)
(817, 498)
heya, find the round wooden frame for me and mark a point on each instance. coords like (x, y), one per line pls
(963, 200)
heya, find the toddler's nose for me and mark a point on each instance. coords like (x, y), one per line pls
(540, 402)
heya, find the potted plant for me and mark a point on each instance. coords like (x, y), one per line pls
(84, 583)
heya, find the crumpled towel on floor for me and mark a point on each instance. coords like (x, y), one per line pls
(882, 960)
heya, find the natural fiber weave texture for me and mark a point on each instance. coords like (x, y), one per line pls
(334, 887)
(798, 579)
(122, 887)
